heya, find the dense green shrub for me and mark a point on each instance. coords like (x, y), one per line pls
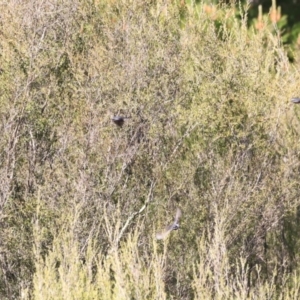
(211, 131)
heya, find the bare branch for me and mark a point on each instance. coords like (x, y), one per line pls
(129, 220)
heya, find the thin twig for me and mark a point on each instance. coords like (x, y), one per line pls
(127, 223)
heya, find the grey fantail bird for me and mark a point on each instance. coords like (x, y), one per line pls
(296, 100)
(119, 120)
(168, 229)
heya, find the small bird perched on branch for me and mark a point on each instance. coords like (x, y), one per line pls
(119, 120)
(168, 229)
(296, 100)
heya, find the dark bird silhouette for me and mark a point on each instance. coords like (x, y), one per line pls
(119, 120)
(168, 229)
(296, 100)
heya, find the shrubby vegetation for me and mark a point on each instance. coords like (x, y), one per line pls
(212, 131)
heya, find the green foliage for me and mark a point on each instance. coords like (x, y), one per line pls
(211, 131)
